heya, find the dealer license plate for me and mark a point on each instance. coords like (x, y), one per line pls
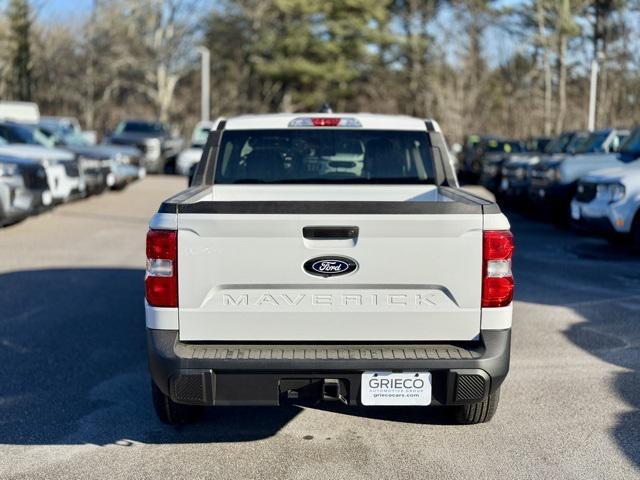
(396, 388)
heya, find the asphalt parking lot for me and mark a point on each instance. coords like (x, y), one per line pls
(74, 392)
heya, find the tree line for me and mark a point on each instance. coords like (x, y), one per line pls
(515, 68)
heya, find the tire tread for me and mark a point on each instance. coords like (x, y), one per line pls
(479, 412)
(170, 412)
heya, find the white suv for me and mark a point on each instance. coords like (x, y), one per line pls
(188, 158)
(608, 201)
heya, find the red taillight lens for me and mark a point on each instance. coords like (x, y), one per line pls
(161, 279)
(497, 281)
(325, 122)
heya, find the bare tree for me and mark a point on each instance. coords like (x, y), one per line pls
(154, 41)
(421, 57)
(546, 64)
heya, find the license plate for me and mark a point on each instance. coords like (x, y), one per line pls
(504, 184)
(396, 388)
(575, 211)
(46, 198)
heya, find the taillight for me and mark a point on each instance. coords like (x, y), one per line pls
(497, 280)
(161, 279)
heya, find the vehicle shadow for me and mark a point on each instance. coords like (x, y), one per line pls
(72, 347)
(611, 332)
(412, 415)
(74, 371)
(601, 283)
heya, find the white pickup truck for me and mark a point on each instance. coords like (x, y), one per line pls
(325, 257)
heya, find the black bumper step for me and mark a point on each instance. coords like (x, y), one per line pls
(260, 374)
(316, 352)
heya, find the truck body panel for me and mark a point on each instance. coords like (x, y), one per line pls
(242, 277)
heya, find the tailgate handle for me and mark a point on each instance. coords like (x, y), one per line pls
(330, 233)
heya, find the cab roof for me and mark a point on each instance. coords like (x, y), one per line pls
(366, 120)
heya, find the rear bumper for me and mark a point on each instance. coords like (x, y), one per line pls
(604, 217)
(124, 174)
(260, 374)
(18, 202)
(598, 225)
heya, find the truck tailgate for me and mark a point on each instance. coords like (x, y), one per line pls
(241, 277)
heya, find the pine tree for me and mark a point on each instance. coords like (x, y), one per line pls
(19, 40)
(315, 49)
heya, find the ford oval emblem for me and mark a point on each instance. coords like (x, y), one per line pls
(330, 266)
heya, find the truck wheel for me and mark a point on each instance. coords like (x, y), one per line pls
(635, 233)
(479, 412)
(173, 413)
(169, 166)
(618, 240)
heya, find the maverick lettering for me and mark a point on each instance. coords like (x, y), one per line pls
(322, 299)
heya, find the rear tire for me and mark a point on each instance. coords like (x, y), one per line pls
(635, 233)
(479, 412)
(617, 240)
(118, 187)
(173, 413)
(169, 167)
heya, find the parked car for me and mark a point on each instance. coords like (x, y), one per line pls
(24, 189)
(474, 147)
(61, 167)
(103, 166)
(554, 180)
(491, 162)
(27, 112)
(302, 283)
(516, 171)
(537, 144)
(189, 158)
(455, 152)
(159, 146)
(608, 201)
(70, 124)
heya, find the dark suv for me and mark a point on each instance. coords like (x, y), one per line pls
(158, 145)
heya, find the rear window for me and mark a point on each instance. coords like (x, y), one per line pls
(500, 146)
(593, 143)
(324, 156)
(576, 143)
(559, 144)
(19, 134)
(200, 137)
(632, 143)
(140, 127)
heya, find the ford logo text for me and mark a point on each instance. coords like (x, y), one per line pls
(330, 266)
